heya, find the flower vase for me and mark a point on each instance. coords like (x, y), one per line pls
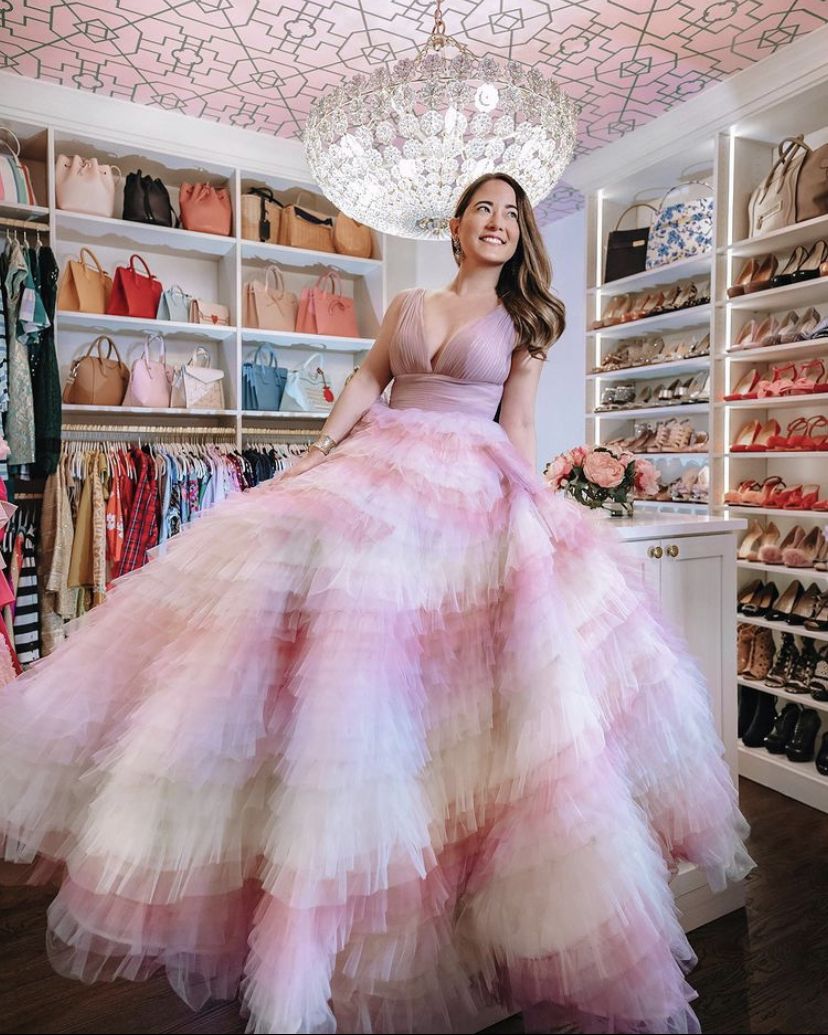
(619, 508)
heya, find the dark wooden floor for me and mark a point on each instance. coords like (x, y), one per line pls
(763, 969)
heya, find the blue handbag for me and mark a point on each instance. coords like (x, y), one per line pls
(263, 381)
(174, 304)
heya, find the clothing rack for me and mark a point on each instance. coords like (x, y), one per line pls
(25, 224)
(115, 430)
(281, 432)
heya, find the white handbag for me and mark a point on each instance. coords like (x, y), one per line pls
(82, 185)
(198, 387)
(307, 389)
(209, 312)
(270, 308)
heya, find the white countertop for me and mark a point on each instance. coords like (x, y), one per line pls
(653, 525)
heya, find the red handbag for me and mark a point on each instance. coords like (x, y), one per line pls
(133, 293)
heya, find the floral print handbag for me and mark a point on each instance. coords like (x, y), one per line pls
(682, 229)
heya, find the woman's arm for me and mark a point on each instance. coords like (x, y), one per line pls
(517, 407)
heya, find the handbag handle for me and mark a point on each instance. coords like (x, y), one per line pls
(162, 351)
(786, 156)
(681, 186)
(316, 361)
(173, 288)
(335, 278)
(93, 257)
(143, 262)
(629, 208)
(270, 352)
(198, 353)
(14, 148)
(278, 277)
(309, 217)
(98, 342)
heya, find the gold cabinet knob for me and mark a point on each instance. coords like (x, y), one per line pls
(655, 552)
(672, 550)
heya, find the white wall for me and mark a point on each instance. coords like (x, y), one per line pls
(560, 410)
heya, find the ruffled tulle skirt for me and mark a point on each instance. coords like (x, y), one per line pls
(377, 746)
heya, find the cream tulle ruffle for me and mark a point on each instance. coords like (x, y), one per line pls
(386, 742)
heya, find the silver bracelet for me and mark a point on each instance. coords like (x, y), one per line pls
(324, 444)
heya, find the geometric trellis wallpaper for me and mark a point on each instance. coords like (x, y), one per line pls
(259, 63)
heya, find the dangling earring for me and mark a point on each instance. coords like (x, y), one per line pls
(455, 247)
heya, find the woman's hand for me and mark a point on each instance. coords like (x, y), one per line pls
(312, 458)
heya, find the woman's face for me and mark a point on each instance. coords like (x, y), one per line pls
(491, 213)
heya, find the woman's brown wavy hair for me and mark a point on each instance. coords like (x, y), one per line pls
(524, 285)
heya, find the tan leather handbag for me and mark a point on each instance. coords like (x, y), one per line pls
(97, 380)
(209, 312)
(261, 215)
(206, 209)
(302, 227)
(270, 308)
(84, 288)
(352, 238)
(812, 186)
(773, 203)
(196, 385)
(84, 185)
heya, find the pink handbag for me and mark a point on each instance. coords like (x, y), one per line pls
(270, 308)
(82, 185)
(150, 380)
(205, 208)
(323, 312)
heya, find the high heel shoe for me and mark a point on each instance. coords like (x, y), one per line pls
(760, 441)
(818, 622)
(800, 746)
(781, 612)
(809, 440)
(787, 329)
(698, 389)
(748, 592)
(802, 554)
(791, 436)
(808, 269)
(745, 436)
(783, 663)
(612, 313)
(745, 386)
(803, 671)
(751, 540)
(761, 600)
(746, 274)
(799, 497)
(794, 261)
(763, 274)
(768, 550)
(746, 338)
(764, 495)
(805, 327)
(804, 383)
(736, 497)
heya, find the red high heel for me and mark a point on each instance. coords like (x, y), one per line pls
(799, 497)
(745, 387)
(766, 494)
(747, 433)
(804, 385)
(789, 439)
(770, 429)
(808, 440)
(777, 384)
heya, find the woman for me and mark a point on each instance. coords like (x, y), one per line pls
(396, 735)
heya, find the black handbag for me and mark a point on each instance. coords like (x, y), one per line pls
(626, 249)
(146, 201)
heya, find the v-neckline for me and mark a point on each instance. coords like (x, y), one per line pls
(433, 360)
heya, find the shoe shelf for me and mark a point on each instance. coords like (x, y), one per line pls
(123, 233)
(100, 323)
(678, 319)
(782, 570)
(773, 454)
(797, 630)
(651, 411)
(792, 296)
(666, 275)
(676, 366)
(666, 454)
(786, 695)
(736, 508)
(795, 350)
(782, 402)
(798, 780)
(784, 239)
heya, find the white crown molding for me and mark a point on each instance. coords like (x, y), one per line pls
(84, 114)
(794, 68)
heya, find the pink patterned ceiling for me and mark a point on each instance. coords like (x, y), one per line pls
(258, 63)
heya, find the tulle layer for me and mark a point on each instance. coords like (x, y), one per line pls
(381, 745)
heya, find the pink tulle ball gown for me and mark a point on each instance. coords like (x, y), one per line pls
(380, 745)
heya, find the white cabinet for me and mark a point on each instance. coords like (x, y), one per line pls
(691, 567)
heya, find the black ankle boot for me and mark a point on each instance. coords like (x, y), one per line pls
(748, 700)
(783, 729)
(800, 747)
(762, 722)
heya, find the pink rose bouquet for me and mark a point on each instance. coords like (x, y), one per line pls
(599, 475)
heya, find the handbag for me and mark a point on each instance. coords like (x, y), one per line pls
(198, 387)
(681, 230)
(133, 293)
(326, 312)
(15, 181)
(626, 249)
(205, 208)
(352, 238)
(772, 204)
(83, 185)
(97, 380)
(84, 288)
(306, 388)
(174, 304)
(146, 200)
(270, 309)
(263, 383)
(261, 215)
(209, 312)
(150, 379)
(301, 227)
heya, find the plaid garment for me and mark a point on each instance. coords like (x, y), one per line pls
(142, 529)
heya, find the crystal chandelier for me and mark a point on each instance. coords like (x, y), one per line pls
(396, 148)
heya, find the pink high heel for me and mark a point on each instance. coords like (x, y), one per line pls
(802, 384)
(777, 384)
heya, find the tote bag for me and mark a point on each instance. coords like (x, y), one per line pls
(97, 380)
(134, 293)
(682, 229)
(307, 389)
(150, 379)
(270, 308)
(626, 249)
(196, 385)
(263, 381)
(84, 287)
(327, 312)
(174, 304)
